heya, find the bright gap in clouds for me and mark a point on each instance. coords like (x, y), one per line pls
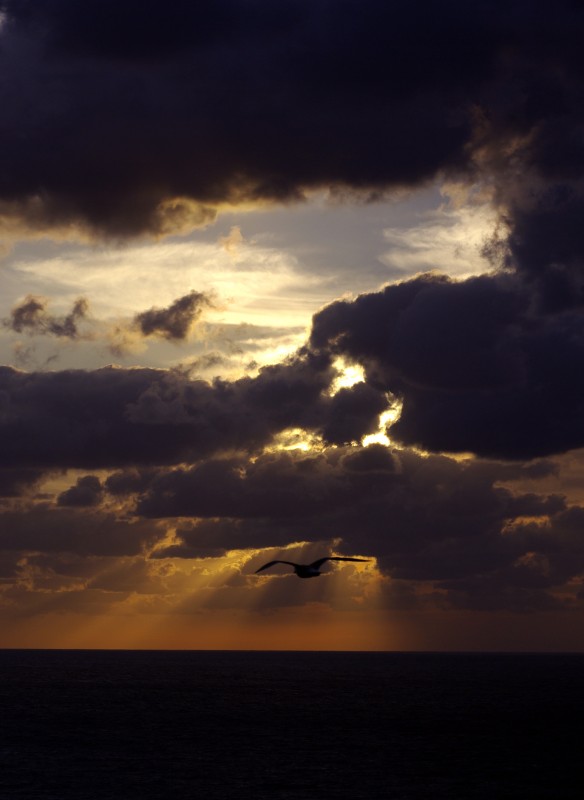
(351, 374)
(348, 375)
(268, 272)
(385, 420)
(449, 238)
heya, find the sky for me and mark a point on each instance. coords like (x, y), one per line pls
(283, 281)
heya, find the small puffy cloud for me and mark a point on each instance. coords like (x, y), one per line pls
(176, 321)
(233, 240)
(31, 316)
(173, 323)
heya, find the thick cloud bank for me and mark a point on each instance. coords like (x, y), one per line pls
(129, 117)
(113, 416)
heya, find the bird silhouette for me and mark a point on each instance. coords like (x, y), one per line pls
(309, 570)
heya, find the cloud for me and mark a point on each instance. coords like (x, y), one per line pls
(478, 367)
(452, 527)
(140, 140)
(139, 110)
(233, 241)
(444, 533)
(450, 239)
(16, 482)
(175, 322)
(86, 492)
(113, 416)
(275, 486)
(31, 316)
(45, 529)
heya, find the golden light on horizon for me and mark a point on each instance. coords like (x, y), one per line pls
(221, 603)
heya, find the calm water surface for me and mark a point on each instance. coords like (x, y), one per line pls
(298, 726)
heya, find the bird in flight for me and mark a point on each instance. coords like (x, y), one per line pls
(309, 570)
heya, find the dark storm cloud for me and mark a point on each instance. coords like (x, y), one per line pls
(236, 100)
(330, 491)
(274, 486)
(31, 316)
(113, 416)
(175, 322)
(478, 366)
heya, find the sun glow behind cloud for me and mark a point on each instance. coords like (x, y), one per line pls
(385, 421)
(351, 374)
(347, 375)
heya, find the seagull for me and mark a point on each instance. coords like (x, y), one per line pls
(309, 570)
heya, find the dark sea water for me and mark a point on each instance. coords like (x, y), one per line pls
(302, 726)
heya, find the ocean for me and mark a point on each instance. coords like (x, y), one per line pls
(162, 725)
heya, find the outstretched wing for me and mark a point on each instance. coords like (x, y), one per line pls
(271, 564)
(320, 562)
